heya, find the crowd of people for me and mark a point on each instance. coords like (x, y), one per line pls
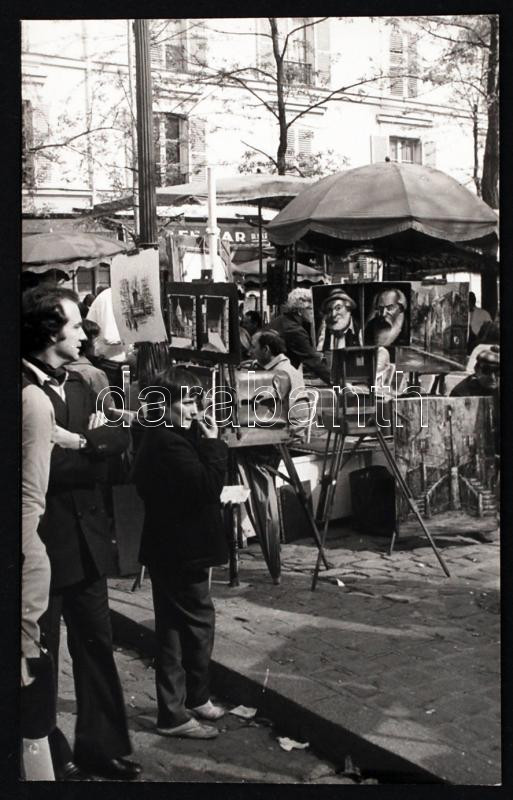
(70, 351)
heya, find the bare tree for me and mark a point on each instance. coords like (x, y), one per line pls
(468, 64)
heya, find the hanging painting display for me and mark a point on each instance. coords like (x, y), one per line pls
(439, 318)
(136, 297)
(355, 314)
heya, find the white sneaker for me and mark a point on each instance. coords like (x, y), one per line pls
(208, 711)
(192, 729)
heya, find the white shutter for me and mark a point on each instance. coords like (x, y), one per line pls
(378, 148)
(157, 55)
(322, 52)
(396, 52)
(197, 43)
(304, 142)
(290, 153)
(265, 56)
(429, 154)
(198, 148)
(412, 82)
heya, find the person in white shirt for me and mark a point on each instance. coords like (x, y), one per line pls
(109, 344)
(269, 351)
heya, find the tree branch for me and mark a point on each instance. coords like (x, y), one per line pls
(252, 147)
(67, 142)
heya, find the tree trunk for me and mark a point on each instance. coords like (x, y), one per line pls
(282, 118)
(490, 180)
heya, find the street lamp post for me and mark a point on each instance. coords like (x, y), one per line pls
(145, 146)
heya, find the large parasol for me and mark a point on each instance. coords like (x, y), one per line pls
(383, 200)
(269, 191)
(67, 250)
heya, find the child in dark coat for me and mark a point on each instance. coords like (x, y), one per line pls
(179, 473)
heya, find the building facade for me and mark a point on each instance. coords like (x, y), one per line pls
(351, 89)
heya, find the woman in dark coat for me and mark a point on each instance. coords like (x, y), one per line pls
(179, 473)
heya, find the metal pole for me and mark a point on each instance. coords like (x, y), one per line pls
(145, 147)
(260, 260)
(212, 229)
(133, 132)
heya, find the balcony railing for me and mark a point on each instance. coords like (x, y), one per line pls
(297, 72)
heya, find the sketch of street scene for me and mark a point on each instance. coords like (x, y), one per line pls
(136, 297)
(136, 301)
(182, 321)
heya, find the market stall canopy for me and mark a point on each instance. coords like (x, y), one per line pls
(272, 191)
(250, 269)
(383, 199)
(67, 250)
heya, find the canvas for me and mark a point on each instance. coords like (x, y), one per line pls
(439, 318)
(356, 314)
(136, 297)
(445, 448)
(202, 322)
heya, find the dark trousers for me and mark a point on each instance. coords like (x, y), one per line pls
(184, 629)
(101, 728)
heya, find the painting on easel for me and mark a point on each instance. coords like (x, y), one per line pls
(202, 321)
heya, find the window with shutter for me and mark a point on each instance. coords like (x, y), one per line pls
(298, 64)
(171, 151)
(405, 150)
(396, 63)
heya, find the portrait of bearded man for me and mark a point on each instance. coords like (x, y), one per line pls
(387, 319)
(338, 326)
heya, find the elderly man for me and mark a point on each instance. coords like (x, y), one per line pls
(294, 326)
(387, 318)
(75, 530)
(338, 328)
(485, 381)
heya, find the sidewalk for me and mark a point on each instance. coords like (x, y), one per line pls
(387, 661)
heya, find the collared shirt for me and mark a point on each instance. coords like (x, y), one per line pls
(281, 363)
(43, 377)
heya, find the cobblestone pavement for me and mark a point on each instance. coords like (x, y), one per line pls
(388, 660)
(246, 751)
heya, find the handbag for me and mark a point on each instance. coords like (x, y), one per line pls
(38, 700)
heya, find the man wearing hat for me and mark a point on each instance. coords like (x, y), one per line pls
(338, 328)
(486, 379)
